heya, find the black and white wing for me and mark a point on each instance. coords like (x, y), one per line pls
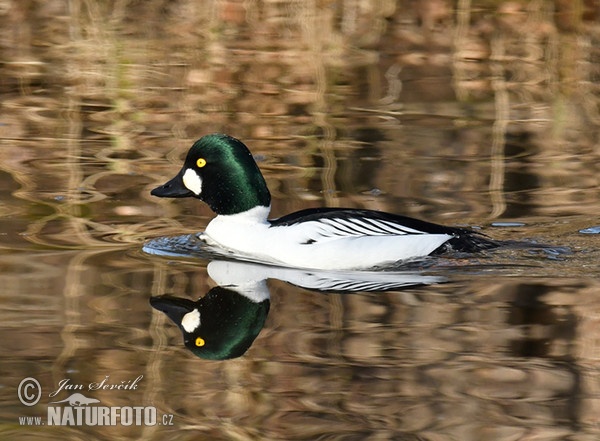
(339, 222)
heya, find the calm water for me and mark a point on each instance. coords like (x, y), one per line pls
(485, 116)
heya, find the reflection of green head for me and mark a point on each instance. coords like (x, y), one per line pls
(227, 322)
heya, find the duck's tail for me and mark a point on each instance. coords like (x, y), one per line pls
(467, 241)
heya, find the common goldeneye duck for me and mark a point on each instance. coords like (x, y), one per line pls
(221, 171)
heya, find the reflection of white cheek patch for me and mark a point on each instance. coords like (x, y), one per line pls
(191, 321)
(192, 181)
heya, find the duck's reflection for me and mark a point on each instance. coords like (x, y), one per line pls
(221, 325)
(225, 322)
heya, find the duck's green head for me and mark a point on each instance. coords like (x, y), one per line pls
(221, 171)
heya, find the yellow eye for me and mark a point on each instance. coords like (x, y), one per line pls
(201, 162)
(200, 342)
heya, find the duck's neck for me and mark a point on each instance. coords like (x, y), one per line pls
(239, 190)
(258, 214)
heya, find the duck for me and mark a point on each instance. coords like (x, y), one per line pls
(221, 171)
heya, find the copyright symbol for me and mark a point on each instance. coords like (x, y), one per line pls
(27, 391)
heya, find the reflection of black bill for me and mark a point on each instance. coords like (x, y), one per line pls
(174, 307)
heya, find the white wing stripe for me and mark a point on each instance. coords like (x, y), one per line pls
(361, 227)
(385, 227)
(336, 224)
(396, 228)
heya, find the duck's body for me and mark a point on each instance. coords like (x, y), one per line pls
(221, 171)
(328, 238)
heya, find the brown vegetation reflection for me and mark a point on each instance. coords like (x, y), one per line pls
(458, 112)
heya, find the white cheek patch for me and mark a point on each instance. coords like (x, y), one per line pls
(192, 181)
(191, 321)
